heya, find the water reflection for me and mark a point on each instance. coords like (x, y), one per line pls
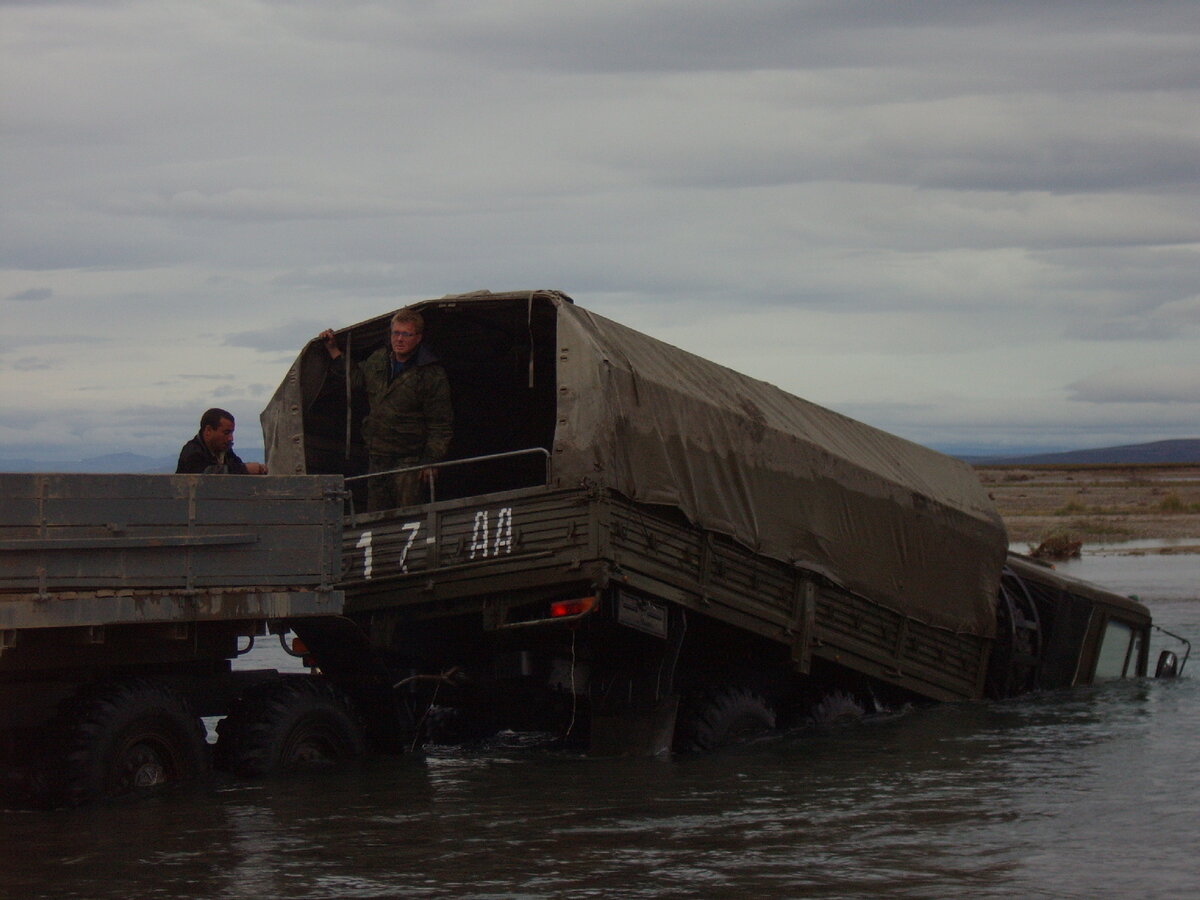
(1080, 793)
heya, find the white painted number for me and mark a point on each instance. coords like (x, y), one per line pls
(364, 544)
(412, 528)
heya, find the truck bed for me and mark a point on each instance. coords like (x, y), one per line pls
(487, 556)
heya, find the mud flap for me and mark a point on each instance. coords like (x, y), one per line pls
(643, 732)
(345, 655)
(633, 714)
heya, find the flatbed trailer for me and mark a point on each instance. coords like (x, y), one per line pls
(123, 599)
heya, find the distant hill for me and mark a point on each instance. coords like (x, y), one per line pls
(1184, 450)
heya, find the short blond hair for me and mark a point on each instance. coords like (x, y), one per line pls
(407, 315)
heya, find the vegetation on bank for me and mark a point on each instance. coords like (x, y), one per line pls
(1058, 506)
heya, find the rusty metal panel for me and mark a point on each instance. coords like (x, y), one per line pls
(932, 661)
(99, 608)
(721, 579)
(84, 532)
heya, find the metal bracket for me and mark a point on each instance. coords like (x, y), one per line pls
(803, 623)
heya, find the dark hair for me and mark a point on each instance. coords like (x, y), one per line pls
(212, 418)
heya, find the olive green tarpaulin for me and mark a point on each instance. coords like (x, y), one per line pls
(883, 517)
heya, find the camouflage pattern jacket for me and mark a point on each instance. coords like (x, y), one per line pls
(411, 415)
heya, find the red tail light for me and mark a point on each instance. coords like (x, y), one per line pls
(561, 608)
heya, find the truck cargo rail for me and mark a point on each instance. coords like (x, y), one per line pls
(453, 463)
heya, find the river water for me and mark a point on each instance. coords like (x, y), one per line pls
(1085, 793)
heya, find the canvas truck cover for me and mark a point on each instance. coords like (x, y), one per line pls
(881, 516)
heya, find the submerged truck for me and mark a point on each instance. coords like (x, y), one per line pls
(628, 546)
(644, 550)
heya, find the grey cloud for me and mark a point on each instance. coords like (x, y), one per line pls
(370, 280)
(1153, 385)
(32, 364)
(688, 36)
(176, 378)
(32, 294)
(292, 335)
(1051, 428)
(82, 241)
(247, 205)
(927, 179)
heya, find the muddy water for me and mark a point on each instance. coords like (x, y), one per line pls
(1085, 793)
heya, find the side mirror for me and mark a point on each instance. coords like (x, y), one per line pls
(1168, 665)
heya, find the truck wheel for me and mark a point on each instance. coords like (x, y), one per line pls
(836, 707)
(122, 737)
(287, 724)
(723, 717)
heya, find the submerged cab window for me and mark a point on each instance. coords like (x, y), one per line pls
(1114, 655)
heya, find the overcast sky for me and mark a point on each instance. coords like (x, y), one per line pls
(974, 224)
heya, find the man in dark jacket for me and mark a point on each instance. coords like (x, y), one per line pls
(411, 418)
(211, 450)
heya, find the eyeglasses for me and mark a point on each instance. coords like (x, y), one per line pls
(405, 334)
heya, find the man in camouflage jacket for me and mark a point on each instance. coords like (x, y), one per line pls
(411, 419)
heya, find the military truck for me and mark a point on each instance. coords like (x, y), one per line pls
(643, 550)
(123, 600)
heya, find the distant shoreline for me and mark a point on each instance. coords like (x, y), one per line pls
(1099, 503)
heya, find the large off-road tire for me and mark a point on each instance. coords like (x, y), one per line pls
(287, 724)
(722, 717)
(836, 707)
(121, 737)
